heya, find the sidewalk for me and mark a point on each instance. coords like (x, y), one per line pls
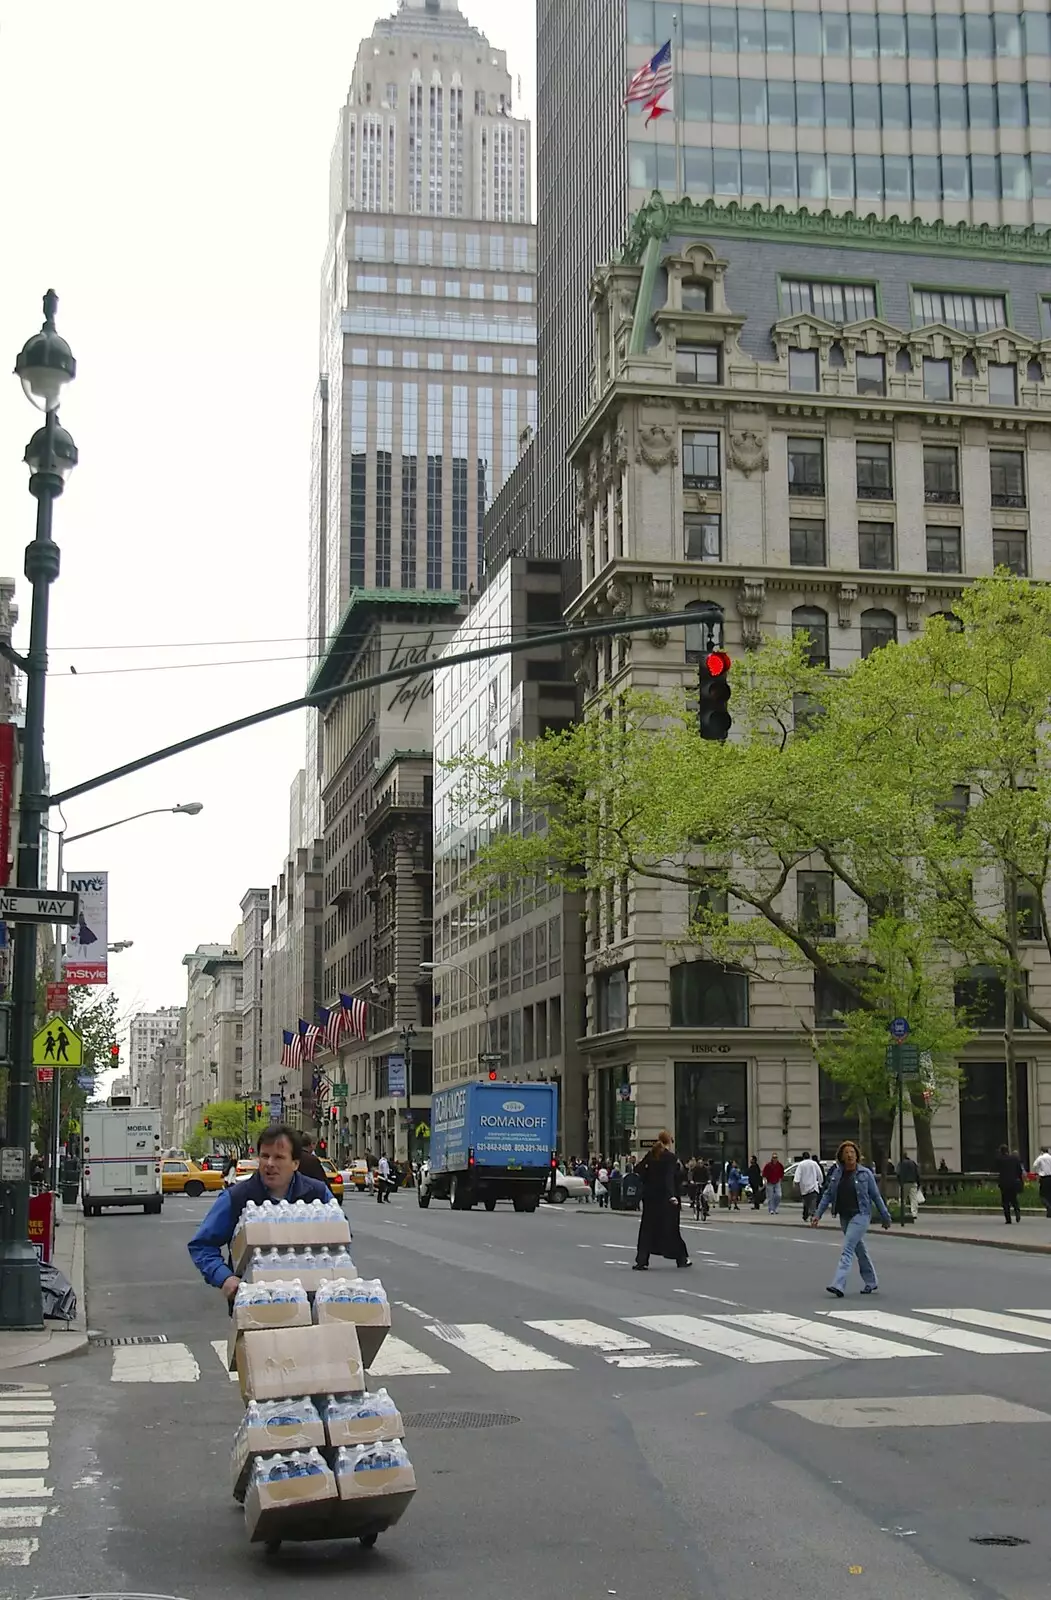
(56, 1338)
(1031, 1236)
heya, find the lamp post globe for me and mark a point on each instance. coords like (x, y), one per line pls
(45, 363)
(51, 451)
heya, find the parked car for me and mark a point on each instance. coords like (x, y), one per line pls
(186, 1177)
(333, 1176)
(568, 1185)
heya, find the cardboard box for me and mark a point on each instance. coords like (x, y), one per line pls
(361, 1517)
(280, 1362)
(377, 1481)
(267, 1439)
(371, 1321)
(270, 1505)
(256, 1319)
(365, 1430)
(286, 1235)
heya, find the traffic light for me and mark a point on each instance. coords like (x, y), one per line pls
(713, 714)
(114, 1055)
(492, 1074)
(322, 1145)
(259, 1108)
(207, 1124)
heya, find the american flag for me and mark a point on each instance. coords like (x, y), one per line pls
(651, 82)
(310, 1034)
(292, 1054)
(357, 1015)
(333, 1025)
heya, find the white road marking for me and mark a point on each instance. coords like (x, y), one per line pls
(624, 1264)
(154, 1363)
(424, 1316)
(24, 1460)
(24, 1489)
(18, 1407)
(589, 1335)
(653, 1358)
(630, 1247)
(843, 1342)
(710, 1335)
(695, 1294)
(1027, 1311)
(17, 1552)
(912, 1411)
(21, 1441)
(991, 1319)
(27, 1419)
(396, 1359)
(982, 1344)
(22, 1516)
(222, 1351)
(494, 1349)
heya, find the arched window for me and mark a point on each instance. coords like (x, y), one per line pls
(877, 629)
(950, 619)
(812, 621)
(707, 632)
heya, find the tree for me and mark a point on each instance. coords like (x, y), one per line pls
(233, 1125)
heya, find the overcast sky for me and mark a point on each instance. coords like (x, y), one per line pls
(165, 169)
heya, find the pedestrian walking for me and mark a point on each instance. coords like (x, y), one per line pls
(735, 1181)
(809, 1181)
(1010, 1177)
(309, 1165)
(852, 1193)
(602, 1186)
(1042, 1168)
(773, 1175)
(909, 1179)
(383, 1183)
(755, 1179)
(659, 1230)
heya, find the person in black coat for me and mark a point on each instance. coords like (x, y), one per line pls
(659, 1232)
(1010, 1176)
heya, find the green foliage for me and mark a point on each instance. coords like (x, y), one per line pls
(229, 1129)
(94, 1014)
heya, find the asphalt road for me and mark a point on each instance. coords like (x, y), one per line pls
(621, 1473)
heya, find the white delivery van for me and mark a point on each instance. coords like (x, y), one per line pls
(122, 1159)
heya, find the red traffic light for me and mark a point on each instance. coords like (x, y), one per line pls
(322, 1145)
(492, 1074)
(114, 1051)
(334, 1113)
(717, 662)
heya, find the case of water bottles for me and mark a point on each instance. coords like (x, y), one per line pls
(361, 1301)
(283, 1486)
(365, 1470)
(311, 1264)
(270, 1425)
(284, 1303)
(288, 1225)
(353, 1419)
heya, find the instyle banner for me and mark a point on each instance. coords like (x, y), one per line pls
(86, 940)
(7, 788)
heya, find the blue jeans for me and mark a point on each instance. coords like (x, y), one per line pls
(854, 1230)
(773, 1197)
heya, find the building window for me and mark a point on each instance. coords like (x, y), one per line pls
(700, 461)
(832, 999)
(1003, 383)
(806, 466)
(813, 622)
(802, 370)
(1029, 912)
(875, 481)
(702, 536)
(1007, 477)
(816, 903)
(937, 379)
(876, 546)
(878, 628)
(697, 363)
(941, 475)
(611, 995)
(1009, 550)
(696, 295)
(836, 302)
(707, 995)
(871, 373)
(708, 899)
(980, 995)
(972, 313)
(943, 550)
(806, 542)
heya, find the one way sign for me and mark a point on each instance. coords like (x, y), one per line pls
(39, 905)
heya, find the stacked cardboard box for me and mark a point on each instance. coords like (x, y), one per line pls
(308, 1468)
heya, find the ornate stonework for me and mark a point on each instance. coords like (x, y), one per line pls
(846, 595)
(748, 451)
(660, 599)
(915, 600)
(751, 598)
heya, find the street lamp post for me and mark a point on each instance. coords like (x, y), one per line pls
(44, 365)
(192, 808)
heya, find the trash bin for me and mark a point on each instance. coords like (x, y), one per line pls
(630, 1193)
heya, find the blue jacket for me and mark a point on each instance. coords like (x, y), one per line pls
(220, 1225)
(868, 1194)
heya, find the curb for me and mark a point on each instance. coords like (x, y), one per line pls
(56, 1341)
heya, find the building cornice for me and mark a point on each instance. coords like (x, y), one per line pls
(364, 608)
(663, 219)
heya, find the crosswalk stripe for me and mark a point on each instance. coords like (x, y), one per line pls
(27, 1419)
(24, 1489)
(21, 1441)
(956, 1338)
(1026, 1311)
(44, 1403)
(22, 1516)
(654, 1360)
(396, 1359)
(587, 1335)
(834, 1341)
(24, 1460)
(996, 1320)
(494, 1349)
(161, 1363)
(220, 1348)
(17, 1552)
(710, 1335)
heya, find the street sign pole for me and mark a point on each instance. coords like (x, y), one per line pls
(901, 1147)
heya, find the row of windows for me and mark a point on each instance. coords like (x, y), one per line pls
(808, 547)
(812, 175)
(702, 364)
(532, 1034)
(777, 102)
(509, 365)
(379, 283)
(927, 35)
(374, 242)
(430, 325)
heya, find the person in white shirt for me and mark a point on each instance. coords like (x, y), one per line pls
(1042, 1168)
(383, 1186)
(810, 1177)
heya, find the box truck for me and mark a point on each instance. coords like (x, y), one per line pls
(490, 1142)
(122, 1159)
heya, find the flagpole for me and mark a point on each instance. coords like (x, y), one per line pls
(677, 107)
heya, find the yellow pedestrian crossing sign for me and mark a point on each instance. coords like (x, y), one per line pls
(56, 1045)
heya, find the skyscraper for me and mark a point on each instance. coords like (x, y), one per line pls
(427, 387)
(938, 112)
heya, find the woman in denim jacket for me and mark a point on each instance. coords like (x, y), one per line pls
(852, 1192)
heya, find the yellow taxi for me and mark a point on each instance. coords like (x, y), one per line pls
(358, 1173)
(186, 1177)
(333, 1177)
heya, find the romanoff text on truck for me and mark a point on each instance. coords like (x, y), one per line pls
(490, 1142)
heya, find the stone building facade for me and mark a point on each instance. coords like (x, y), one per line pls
(812, 423)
